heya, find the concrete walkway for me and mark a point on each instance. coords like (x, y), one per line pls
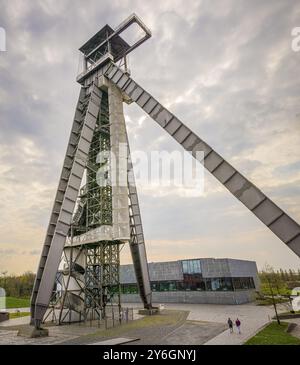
(252, 318)
(14, 310)
(193, 333)
(15, 322)
(202, 324)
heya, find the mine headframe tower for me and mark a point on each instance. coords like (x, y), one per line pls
(107, 213)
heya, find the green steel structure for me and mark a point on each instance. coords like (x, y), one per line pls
(102, 281)
(101, 284)
(99, 193)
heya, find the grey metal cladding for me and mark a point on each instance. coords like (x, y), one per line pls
(285, 228)
(246, 192)
(191, 141)
(181, 133)
(62, 185)
(137, 220)
(93, 109)
(136, 93)
(160, 271)
(96, 92)
(135, 208)
(173, 125)
(144, 97)
(130, 87)
(88, 133)
(65, 217)
(117, 76)
(224, 172)
(112, 71)
(75, 181)
(294, 245)
(157, 109)
(61, 229)
(84, 146)
(71, 193)
(70, 204)
(96, 97)
(149, 106)
(267, 211)
(90, 120)
(211, 267)
(201, 150)
(140, 239)
(123, 80)
(212, 161)
(78, 169)
(163, 117)
(134, 199)
(139, 229)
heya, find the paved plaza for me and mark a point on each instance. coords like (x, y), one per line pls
(185, 324)
(252, 318)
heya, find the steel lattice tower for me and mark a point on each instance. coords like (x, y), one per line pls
(90, 223)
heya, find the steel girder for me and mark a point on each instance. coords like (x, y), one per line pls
(68, 188)
(280, 223)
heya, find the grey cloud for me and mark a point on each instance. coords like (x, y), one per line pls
(223, 52)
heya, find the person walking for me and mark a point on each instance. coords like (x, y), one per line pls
(230, 325)
(238, 325)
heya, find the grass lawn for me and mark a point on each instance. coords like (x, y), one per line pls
(274, 334)
(17, 315)
(12, 302)
(164, 319)
(289, 312)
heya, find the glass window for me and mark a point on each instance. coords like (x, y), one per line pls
(191, 267)
(208, 284)
(243, 283)
(167, 286)
(129, 289)
(185, 267)
(180, 285)
(219, 284)
(154, 286)
(172, 286)
(228, 285)
(215, 284)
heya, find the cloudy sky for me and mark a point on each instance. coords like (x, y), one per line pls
(225, 68)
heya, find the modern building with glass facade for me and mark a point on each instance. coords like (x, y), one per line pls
(205, 280)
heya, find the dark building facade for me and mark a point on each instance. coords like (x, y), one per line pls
(204, 280)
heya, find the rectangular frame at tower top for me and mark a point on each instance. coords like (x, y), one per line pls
(119, 47)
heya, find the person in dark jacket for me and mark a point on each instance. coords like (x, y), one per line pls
(230, 325)
(238, 325)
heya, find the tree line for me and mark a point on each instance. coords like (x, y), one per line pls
(279, 281)
(20, 286)
(17, 286)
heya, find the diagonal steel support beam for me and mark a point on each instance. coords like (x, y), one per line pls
(283, 226)
(137, 241)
